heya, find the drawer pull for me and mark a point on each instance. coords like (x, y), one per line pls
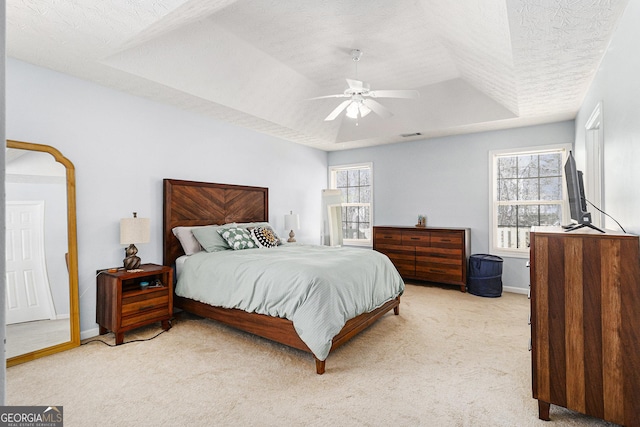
(414, 238)
(388, 237)
(146, 307)
(445, 240)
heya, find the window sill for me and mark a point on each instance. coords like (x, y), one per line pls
(510, 254)
(364, 244)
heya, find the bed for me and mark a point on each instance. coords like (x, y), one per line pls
(191, 204)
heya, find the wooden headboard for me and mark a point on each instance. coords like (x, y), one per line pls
(191, 203)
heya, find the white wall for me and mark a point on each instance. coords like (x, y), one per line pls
(617, 85)
(447, 179)
(123, 146)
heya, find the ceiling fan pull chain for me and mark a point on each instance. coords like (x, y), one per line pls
(355, 55)
(356, 69)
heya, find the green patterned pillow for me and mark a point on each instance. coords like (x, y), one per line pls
(238, 238)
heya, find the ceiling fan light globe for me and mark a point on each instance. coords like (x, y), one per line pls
(352, 110)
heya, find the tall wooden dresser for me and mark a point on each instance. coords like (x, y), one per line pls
(426, 253)
(585, 322)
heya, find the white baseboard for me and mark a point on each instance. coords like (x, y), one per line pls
(89, 333)
(515, 290)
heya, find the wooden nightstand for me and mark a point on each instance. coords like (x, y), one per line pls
(123, 305)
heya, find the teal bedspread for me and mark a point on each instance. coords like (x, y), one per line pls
(318, 288)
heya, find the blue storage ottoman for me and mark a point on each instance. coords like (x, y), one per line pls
(485, 275)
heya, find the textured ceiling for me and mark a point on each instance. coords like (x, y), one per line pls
(478, 64)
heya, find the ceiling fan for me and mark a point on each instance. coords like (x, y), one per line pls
(360, 102)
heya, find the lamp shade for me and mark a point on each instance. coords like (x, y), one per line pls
(291, 221)
(134, 230)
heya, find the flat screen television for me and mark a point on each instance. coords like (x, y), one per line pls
(577, 200)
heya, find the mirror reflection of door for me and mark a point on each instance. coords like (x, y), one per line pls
(28, 292)
(37, 292)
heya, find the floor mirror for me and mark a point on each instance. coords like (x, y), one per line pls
(42, 309)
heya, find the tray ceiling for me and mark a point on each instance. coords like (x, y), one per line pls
(478, 64)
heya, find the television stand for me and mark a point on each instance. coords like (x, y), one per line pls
(578, 226)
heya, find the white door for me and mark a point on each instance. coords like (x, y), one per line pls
(28, 294)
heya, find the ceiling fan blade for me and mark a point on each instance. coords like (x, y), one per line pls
(340, 95)
(409, 94)
(338, 110)
(377, 108)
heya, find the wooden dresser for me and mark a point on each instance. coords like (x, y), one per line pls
(426, 253)
(585, 323)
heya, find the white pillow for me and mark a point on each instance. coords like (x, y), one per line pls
(189, 243)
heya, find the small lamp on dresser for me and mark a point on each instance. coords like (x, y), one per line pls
(291, 223)
(133, 230)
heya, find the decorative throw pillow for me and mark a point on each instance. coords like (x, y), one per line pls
(264, 237)
(210, 239)
(250, 225)
(189, 243)
(238, 238)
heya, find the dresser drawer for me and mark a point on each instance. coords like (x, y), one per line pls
(439, 255)
(405, 268)
(442, 273)
(402, 257)
(383, 237)
(447, 240)
(416, 238)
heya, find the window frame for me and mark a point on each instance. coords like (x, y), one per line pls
(493, 193)
(332, 184)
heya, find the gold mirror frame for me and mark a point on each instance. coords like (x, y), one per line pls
(74, 311)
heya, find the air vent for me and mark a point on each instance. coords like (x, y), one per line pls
(408, 135)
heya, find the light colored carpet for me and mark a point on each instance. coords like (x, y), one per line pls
(31, 336)
(449, 359)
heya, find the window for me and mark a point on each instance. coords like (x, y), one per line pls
(527, 190)
(355, 184)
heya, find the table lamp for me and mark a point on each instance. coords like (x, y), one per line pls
(133, 230)
(291, 223)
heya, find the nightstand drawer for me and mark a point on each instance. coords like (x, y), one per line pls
(150, 302)
(144, 316)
